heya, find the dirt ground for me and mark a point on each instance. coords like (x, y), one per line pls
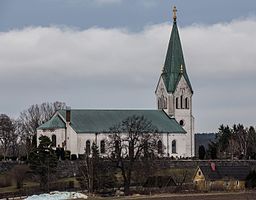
(205, 196)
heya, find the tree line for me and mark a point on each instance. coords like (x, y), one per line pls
(18, 136)
(236, 142)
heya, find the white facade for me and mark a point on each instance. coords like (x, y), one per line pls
(174, 144)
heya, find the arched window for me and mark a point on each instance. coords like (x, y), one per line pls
(162, 102)
(177, 103)
(165, 103)
(88, 147)
(146, 149)
(181, 102)
(117, 147)
(186, 103)
(182, 122)
(102, 147)
(131, 149)
(54, 140)
(160, 147)
(174, 146)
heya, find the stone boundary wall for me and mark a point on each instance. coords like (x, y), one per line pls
(71, 168)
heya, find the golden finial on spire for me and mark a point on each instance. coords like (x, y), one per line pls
(174, 13)
(181, 69)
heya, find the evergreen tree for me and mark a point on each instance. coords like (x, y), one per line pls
(201, 152)
(43, 161)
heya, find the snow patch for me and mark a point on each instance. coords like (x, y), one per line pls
(58, 196)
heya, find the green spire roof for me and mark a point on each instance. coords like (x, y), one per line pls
(173, 71)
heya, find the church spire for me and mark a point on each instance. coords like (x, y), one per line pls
(173, 71)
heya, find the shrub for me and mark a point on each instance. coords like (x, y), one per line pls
(81, 156)
(73, 157)
(67, 154)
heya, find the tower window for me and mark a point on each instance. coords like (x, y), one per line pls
(88, 147)
(54, 140)
(165, 103)
(186, 103)
(181, 102)
(162, 102)
(159, 103)
(182, 122)
(102, 147)
(174, 146)
(177, 103)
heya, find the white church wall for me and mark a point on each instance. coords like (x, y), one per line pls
(71, 140)
(180, 139)
(81, 141)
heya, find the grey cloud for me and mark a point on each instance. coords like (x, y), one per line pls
(115, 68)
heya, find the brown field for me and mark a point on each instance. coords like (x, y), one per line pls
(205, 196)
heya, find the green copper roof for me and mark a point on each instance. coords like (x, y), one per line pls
(174, 59)
(53, 123)
(91, 121)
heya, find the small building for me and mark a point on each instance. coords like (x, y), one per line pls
(212, 177)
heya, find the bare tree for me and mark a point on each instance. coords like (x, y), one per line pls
(32, 118)
(242, 137)
(180, 177)
(133, 138)
(6, 133)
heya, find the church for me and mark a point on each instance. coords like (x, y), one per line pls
(77, 129)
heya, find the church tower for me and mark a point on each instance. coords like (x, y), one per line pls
(174, 91)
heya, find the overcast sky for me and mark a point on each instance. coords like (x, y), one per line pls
(109, 54)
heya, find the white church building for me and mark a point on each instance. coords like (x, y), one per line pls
(77, 129)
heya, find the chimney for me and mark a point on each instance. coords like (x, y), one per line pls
(213, 167)
(68, 114)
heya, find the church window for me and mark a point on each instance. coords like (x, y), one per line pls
(181, 102)
(54, 140)
(186, 103)
(160, 147)
(102, 147)
(162, 102)
(117, 147)
(88, 147)
(174, 146)
(131, 149)
(165, 103)
(177, 103)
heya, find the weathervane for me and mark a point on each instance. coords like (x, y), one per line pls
(174, 13)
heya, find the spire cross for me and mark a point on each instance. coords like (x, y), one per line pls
(174, 13)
